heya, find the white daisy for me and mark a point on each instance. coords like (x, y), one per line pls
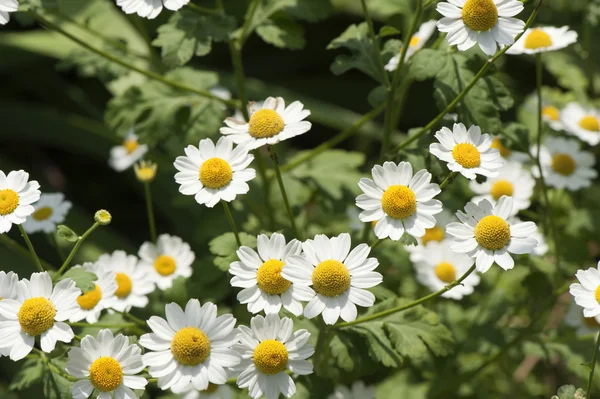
(485, 22)
(108, 365)
(7, 6)
(191, 347)
(259, 274)
(8, 282)
(214, 173)
(551, 115)
(166, 260)
(358, 391)
(269, 124)
(583, 325)
(442, 266)
(398, 200)
(507, 153)
(38, 310)
(486, 234)
(92, 303)
(268, 347)
(582, 122)
(338, 277)
(125, 155)
(586, 292)
(16, 196)
(417, 41)
(436, 233)
(468, 152)
(149, 8)
(542, 39)
(212, 392)
(133, 281)
(564, 166)
(50, 211)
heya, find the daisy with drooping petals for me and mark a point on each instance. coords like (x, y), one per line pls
(7, 6)
(8, 282)
(542, 39)
(269, 124)
(398, 200)
(486, 235)
(268, 348)
(586, 292)
(125, 155)
(485, 22)
(417, 41)
(213, 173)
(92, 303)
(16, 196)
(50, 211)
(337, 275)
(212, 392)
(191, 347)
(149, 8)
(583, 325)
(468, 152)
(581, 122)
(38, 310)
(358, 391)
(166, 260)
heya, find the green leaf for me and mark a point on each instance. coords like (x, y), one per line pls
(66, 233)
(311, 10)
(282, 32)
(89, 64)
(83, 278)
(30, 372)
(264, 11)
(225, 246)
(56, 386)
(568, 69)
(401, 385)
(569, 392)
(579, 220)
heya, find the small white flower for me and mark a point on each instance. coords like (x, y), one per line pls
(166, 260)
(38, 310)
(125, 155)
(8, 282)
(269, 124)
(436, 233)
(486, 235)
(213, 173)
(268, 348)
(586, 292)
(212, 392)
(358, 391)
(417, 41)
(7, 6)
(50, 211)
(149, 8)
(108, 365)
(337, 275)
(583, 325)
(468, 152)
(16, 196)
(543, 39)
(507, 153)
(584, 123)
(92, 303)
(191, 347)
(551, 115)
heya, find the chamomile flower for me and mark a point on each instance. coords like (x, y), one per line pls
(417, 41)
(338, 277)
(39, 310)
(259, 274)
(7, 6)
(50, 211)
(212, 392)
(16, 196)
(149, 8)
(166, 260)
(542, 39)
(586, 292)
(358, 391)
(268, 348)
(433, 234)
(551, 115)
(399, 201)
(125, 155)
(270, 124)
(108, 365)
(133, 281)
(486, 234)
(93, 302)
(8, 282)
(213, 173)
(584, 123)
(564, 165)
(485, 22)
(191, 347)
(582, 325)
(507, 153)
(468, 152)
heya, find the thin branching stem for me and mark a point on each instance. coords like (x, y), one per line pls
(283, 192)
(150, 209)
(234, 228)
(80, 241)
(31, 249)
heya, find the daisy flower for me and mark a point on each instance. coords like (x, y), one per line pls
(191, 347)
(338, 277)
(584, 123)
(486, 234)
(417, 41)
(542, 39)
(149, 8)
(398, 200)
(213, 173)
(166, 260)
(582, 325)
(133, 281)
(564, 166)
(268, 348)
(551, 115)
(8, 282)
(269, 124)
(125, 155)
(259, 274)
(442, 266)
(586, 292)
(358, 391)
(108, 365)
(436, 233)
(507, 153)
(16, 196)
(50, 211)
(212, 392)
(39, 310)
(485, 22)
(7, 6)
(93, 302)
(468, 152)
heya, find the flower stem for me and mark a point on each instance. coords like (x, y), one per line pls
(133, 318)
(232, 223)
(31, 249)
(283, 192)
(151, 221)
(373, 37)
(80, 241)
(448, 179)
(591, 379)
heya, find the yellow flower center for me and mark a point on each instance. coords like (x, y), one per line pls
(480, 15)
(90, 299)
(145, 174)
(591, 322)
(165, 265)
(500, 188)
(106, 374)
(130, 145)
(467, 155)
(123, 285)
(433, 234)
(413, 41)
(9, 200)
(190, 346)
(399, 202)
(597, 294)
(504, 151)
(43, 213)
(551, 112)
(445, 272)
(215, 173)
(492, 232)
(590, 122)
(36, 315)
(563, 164)
(269, 278)
(331, 278)
(537, 38)
(265, 123)
(270, 357)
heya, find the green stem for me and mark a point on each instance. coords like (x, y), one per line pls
(283, 192)
(320, 351)
(373, 37)
(235, 48)
(448, 179)
(248, 21)
(262, 171)
(202, 10)
(375, 243)
(31, 249)
(134, 319)
(591, 379)
(14, 246)
(53, 367)
(80, 241)
(151, 221)
(234, 228)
